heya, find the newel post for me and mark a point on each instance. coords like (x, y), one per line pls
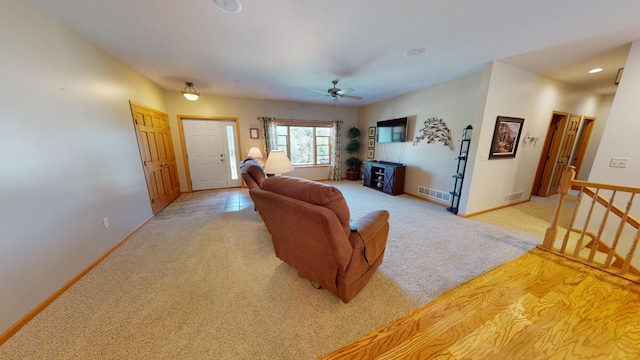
(564, 187)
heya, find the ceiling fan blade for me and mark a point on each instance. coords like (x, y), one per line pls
(351, 97)
(345, 90)
(319, 91)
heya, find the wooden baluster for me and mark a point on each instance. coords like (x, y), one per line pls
(627, 260)
(564, 186)
(623, 222)
(565, 241)
(603, 223)
(576, 250)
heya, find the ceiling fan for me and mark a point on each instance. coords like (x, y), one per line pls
(336, 92)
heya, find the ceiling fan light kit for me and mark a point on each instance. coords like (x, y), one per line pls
(336, 92)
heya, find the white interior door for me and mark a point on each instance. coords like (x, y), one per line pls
(205, 150)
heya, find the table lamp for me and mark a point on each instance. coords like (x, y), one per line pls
(277, 163)
(255, 153)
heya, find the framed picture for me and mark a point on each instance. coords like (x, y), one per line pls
(254, 133)
(372, 131)
(506, 137)
(372, 142)
(371, 153)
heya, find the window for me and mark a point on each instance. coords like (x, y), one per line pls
(231, 143)
(305, 144)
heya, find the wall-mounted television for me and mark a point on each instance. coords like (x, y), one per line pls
(394, 130)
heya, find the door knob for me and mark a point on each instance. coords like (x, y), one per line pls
(163, 164)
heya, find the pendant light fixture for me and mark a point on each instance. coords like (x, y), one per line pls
(190, 93)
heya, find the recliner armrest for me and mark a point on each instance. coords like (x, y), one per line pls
(369, 242)
(371, 223)
(372, 231)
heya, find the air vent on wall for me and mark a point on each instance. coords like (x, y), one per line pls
(435, 194)
(512, 197)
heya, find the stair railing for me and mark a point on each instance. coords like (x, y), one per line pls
(613, 247)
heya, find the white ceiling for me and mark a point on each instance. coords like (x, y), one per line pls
(282, 49)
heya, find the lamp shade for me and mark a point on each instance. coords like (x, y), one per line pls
(277, 163)
(192, 97)
(255, 153)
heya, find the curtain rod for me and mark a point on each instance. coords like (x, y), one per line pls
(300, 120)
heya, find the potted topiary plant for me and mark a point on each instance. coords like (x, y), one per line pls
(354, 163)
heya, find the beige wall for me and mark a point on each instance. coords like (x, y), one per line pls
(247, 111)
(478, 99)
(70, 155)
(620, 139)
(511, 91)
(429, 165)
(596, 135)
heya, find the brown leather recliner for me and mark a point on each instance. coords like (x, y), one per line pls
(252, 173)
(310, 230)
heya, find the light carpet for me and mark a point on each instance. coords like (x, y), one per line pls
(532, 216)
(211, 287)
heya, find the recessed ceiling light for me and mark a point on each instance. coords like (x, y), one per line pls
(228, 6)
(414, 52)
(595, 70)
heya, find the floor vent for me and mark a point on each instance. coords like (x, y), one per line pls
(434, 194)
(512, 197)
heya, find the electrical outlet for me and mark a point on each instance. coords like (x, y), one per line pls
(618, 162)
(105, 222)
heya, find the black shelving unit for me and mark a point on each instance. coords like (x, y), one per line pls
(460, 169)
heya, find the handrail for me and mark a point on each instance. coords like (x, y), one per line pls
(582, 183)
(603, 249)
(616, 210)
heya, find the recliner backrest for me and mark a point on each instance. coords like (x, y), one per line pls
(314, 193)
(252, 173)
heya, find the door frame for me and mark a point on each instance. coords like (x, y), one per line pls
(183, 144)
(549, 152)
(588, 122)
(566, 151)
(167, 166)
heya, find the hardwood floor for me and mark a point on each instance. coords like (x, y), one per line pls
(540, 306)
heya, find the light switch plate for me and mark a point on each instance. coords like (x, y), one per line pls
(618, 162)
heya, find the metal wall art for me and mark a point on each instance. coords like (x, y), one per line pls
(435, 129)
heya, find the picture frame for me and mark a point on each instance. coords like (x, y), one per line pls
(371, 153)
(372, 142)
(506, 137)
(372, 131)
(253, 132)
